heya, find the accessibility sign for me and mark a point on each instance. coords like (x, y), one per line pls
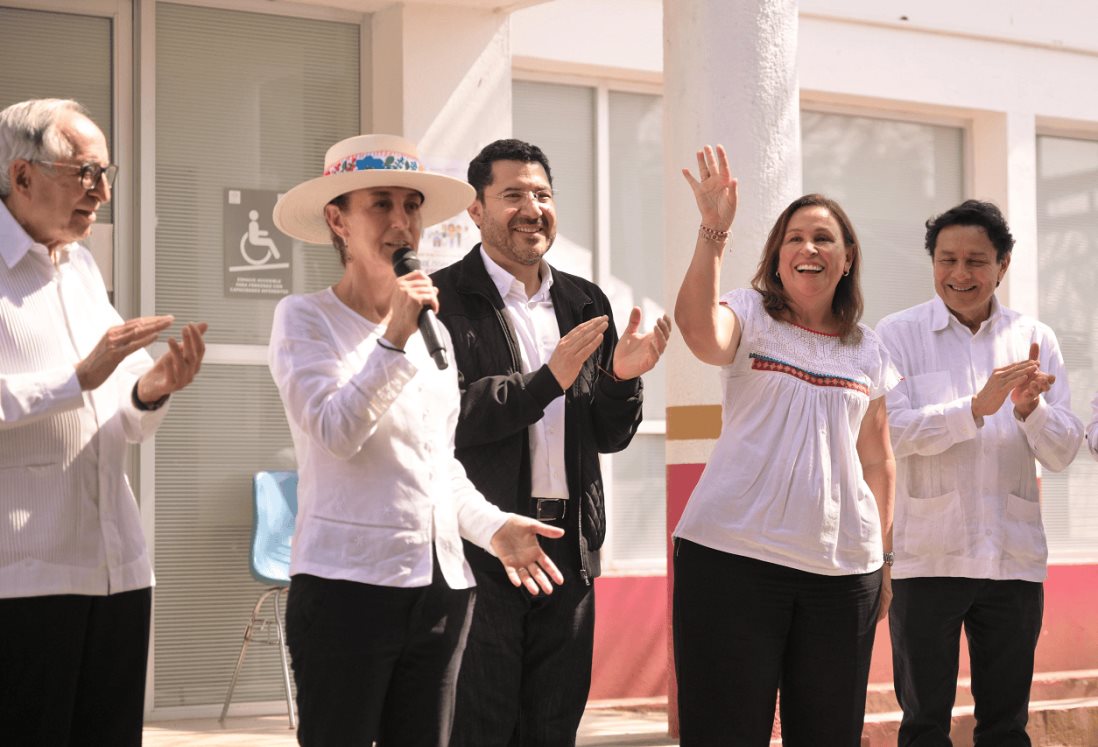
(257, 255)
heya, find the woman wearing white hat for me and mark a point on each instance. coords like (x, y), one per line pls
(381, 594)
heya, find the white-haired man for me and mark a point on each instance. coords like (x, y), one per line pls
(75, 387)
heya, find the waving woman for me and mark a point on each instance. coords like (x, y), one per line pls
(780, 556)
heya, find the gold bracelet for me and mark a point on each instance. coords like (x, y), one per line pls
(712, 234)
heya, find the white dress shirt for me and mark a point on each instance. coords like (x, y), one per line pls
(535, 325)
(373, 429)
(69, 523)
(967, 498)
(784, 483)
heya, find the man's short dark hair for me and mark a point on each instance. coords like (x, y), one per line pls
(480, 168)
(973, 213)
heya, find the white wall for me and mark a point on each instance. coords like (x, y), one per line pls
(450, 90)
(1004, 69)
(623, 34)
(911, 65)
(1001, 55)
(1056, 23)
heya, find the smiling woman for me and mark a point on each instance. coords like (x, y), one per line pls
(377, 561)
(815, 256)
(793, 513)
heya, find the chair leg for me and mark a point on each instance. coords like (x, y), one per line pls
(244, 650)
(285, 663)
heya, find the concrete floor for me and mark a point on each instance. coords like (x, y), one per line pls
(602, 727)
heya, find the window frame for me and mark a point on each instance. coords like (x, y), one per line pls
(1088, 132)
(140, 68)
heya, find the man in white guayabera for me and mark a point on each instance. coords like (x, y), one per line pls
(76, 386)
(985, 393)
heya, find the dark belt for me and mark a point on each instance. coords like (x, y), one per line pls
(550, 509)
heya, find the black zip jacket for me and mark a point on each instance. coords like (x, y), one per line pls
(499, 402)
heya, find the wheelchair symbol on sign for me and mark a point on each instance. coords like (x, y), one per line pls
(257, 238)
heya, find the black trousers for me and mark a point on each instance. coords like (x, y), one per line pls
(527, 667)
(375, 663)
(72, 669)
(744, 628)
(1002, 621)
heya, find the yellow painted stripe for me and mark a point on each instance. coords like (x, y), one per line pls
(693, 422)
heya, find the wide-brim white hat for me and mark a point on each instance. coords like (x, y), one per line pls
(361, 162)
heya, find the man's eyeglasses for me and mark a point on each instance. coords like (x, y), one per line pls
(89, 173)
(518, 197)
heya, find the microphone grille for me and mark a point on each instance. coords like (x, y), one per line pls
(405, 260)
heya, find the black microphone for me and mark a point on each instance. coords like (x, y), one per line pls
(405, 261)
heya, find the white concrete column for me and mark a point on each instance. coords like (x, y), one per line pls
(1004, 171)
(730, 77)
(442, 77)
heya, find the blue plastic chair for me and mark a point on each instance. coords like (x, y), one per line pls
(275, 501)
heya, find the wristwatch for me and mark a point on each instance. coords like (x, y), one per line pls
(889, 558)
(146, 406)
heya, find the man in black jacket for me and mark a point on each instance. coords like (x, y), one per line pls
(546, 386)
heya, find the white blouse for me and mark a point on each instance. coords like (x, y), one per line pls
(379, 488)
(784, 483)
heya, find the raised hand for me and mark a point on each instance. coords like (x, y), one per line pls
(717, 193)
(1005, 382)
(575, 348)
(516, 545)
(177, 367)
(636, 354)
(115, 345)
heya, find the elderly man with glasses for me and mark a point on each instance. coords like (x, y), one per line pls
(76, 386)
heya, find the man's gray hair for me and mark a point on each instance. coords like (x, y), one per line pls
(28, 131)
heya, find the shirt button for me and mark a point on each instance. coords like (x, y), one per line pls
(987, 532)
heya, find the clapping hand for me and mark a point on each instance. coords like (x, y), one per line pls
(177, 367)
(637, 353)
(1003, 382)
(117, 343)
(575, 348)
(1027, 395)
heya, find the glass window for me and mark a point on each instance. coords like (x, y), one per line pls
(636, 221)
(228, 424)
(563, 120)
(244, 101)
(636, 536)
(560, 120)
(889, 176)
(1067, 244)
(250, 102)
(82, 73)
